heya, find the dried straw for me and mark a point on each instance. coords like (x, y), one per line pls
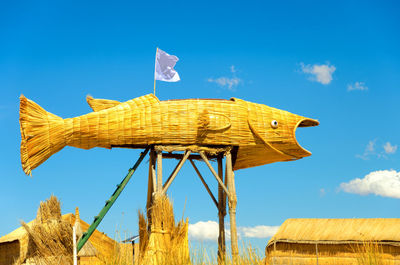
(146, 120)
(48, 210)
(166, 241)
(50, 238)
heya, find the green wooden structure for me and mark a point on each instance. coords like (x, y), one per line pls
(120, 187)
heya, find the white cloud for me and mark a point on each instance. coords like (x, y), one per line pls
(382, 152)
(370, 146)
(389, 148)
(260, 231)
(204, 231)
(385, 183)
(357, 86)
(231, 83)
(322, 192)
(321, 73)
(369, 150)
(208, 231)
(227, 82)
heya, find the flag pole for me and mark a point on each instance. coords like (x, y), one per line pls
(155, 64)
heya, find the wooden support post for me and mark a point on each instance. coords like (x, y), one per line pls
(150, 183)
(232, 207)
(221, 216)
(159, 172)
(153, 171)
(151, 186)
(204, 183)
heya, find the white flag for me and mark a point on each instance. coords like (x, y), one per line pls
(165, 67)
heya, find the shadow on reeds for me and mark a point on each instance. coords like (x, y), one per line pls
(357, 253)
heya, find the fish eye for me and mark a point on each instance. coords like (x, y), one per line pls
(274, 124)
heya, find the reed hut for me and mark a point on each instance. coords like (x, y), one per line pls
(11, 246)
(14, 246)
(335, 241)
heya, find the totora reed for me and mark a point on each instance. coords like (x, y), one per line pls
(262, 134)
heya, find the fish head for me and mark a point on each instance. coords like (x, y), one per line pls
(273, 133)
(277, 130)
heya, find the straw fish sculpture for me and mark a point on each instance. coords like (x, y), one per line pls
(260, 133)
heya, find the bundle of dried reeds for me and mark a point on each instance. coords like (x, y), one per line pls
(48, 210)
(163, 241)
(50, 237)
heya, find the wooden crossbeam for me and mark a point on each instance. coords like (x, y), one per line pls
(192, 156)
(204, 182)
(214, 173)
(175, 172)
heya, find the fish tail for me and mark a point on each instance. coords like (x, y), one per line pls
(42, 134)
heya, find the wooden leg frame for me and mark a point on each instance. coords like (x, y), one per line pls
(226, 186)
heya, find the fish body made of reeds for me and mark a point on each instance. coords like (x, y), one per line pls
(262, 134)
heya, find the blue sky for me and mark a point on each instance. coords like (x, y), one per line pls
(336, 61)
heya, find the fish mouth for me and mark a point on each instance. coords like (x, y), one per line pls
(305, 122)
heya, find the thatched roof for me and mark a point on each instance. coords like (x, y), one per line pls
(337, 231)
(98, 242)
(17, 234)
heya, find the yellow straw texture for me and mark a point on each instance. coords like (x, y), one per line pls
(335, 230)
(147, 121)
(167, 241)
(100, 104)
(42, 134)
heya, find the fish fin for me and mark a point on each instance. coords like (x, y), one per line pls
(209, 122)
(145, 100)
(213, 121)
(98, 104)
(42, 134)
